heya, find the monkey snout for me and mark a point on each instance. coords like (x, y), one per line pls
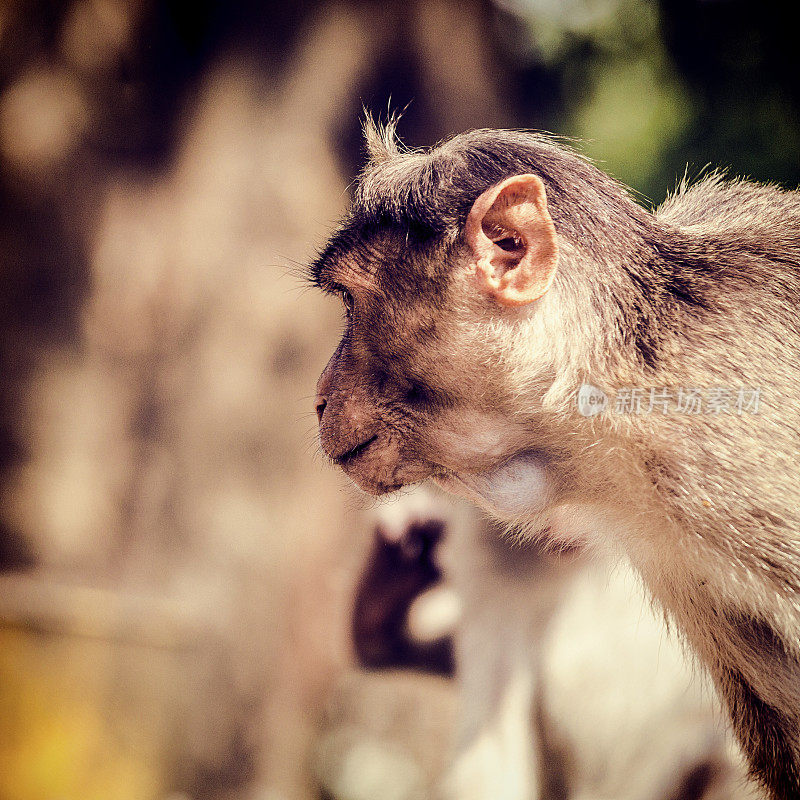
(343, 435)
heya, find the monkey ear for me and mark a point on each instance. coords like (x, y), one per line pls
(513, 241)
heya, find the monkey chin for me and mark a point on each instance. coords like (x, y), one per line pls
(516, 491)
(377, 477)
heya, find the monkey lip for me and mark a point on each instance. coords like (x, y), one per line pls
(354, 452)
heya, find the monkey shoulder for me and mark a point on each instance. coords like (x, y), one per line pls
(717, 203)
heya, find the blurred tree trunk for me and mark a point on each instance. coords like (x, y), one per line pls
(163, 396)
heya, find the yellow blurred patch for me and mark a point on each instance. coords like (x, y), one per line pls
(62, 734)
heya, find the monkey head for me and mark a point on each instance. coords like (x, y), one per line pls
(448, 366)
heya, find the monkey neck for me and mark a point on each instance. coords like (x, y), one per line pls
(647, 291)
(649, 311)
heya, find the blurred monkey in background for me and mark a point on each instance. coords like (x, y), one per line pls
(402, 616)
(568, 685)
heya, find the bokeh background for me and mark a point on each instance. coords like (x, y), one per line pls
(177, 563)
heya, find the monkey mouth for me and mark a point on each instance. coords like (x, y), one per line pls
(377, 477)
(345, 458)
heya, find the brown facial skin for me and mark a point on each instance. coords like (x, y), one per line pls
(368, 403)
(383, 425)
(364, 426)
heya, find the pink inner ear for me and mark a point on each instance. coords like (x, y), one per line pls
(513, 240)
(510, 244)
(502, 238)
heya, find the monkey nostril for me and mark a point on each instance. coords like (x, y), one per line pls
(321, 403)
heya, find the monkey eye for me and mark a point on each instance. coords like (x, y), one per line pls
(347, 299)
(415, 393)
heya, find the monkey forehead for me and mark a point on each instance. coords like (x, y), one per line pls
(392, 262)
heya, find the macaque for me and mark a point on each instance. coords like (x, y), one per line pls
(395, 619)
(488, 282)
